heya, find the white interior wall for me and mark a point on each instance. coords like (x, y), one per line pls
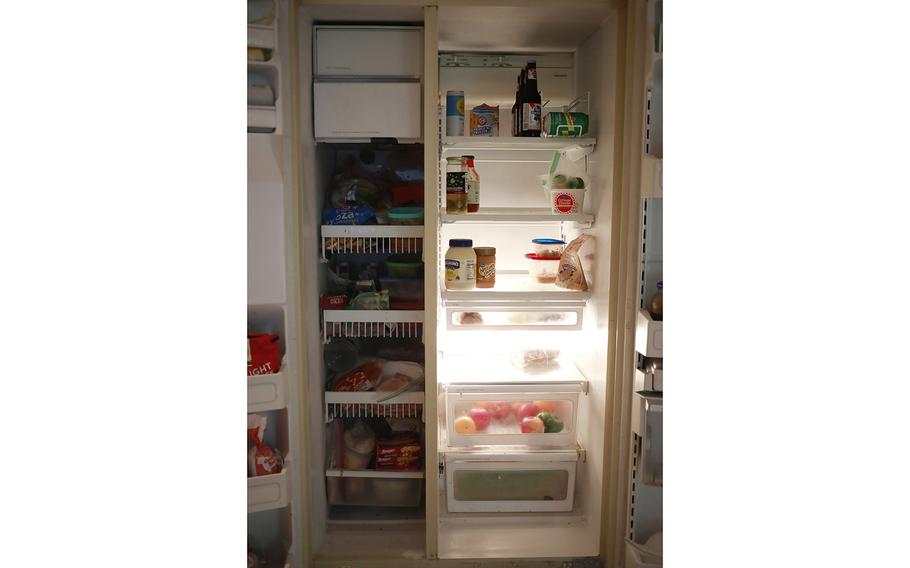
(595, 72)
(265, 220)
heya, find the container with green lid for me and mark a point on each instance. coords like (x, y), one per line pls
(406, 216)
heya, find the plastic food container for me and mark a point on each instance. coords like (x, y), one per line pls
(542, 270)
(406, 216)
(374, 492)
(404, 293)
(548, 248)
(355, 460)
(404, 266)
(566, 201)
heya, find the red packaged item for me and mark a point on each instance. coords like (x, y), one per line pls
(400, 451)
(405, 194)
(263, 357)
(359, 379)
(336, 302)
(263, 460)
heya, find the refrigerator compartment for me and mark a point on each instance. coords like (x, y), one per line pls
(503, 482)
(647, 422)
(266, 392)
(502, 406)
(372, 488)
(649, 335)
(345, 111)
(268, 492)
(368, 405)
(529, 316)
(392, 239)
(516, 287)
(372, 323)
(404, 293)
(518, 215)
(367, 51)
(649, 382)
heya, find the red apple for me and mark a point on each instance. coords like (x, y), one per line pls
(499, 410)
(481, 418)
(527, 409)
(532, 425)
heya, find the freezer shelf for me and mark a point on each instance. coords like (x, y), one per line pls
(268, 491)
(393, 239)
(266, 392)
(372, 323)
(503, 482)
(367, 405)
(491, 414)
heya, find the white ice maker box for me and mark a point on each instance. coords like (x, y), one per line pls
(503, 401)
(363, 110)
(510, 482)
(368, 51)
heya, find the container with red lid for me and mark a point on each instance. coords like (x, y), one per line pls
(542, 269)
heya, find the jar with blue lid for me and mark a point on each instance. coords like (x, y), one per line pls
(548, 248)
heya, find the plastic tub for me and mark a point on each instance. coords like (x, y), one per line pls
(542, 270)
(374, 492)
(548, 248)
(566, 201)
(404, 266)
(406, 216)
(404, 293)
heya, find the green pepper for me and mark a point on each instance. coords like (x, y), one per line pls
(551, 423)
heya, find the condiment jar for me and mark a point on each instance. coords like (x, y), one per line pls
(456, 186)
(486, 266)
(657, 303)
(460, 265)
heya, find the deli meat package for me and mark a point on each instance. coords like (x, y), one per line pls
(576, 265)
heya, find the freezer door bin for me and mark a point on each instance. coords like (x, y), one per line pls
(348, 110)
(368, 52)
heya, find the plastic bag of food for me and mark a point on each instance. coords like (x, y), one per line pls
(400, 451)
(359, 444)
(567, 169)
(370, 301)
(360, 379)
(262, 459)
(576, 264)
(529, 358)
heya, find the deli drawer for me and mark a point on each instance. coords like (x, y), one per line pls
(361, 110)
(368, 51)
(521, 482)
(482, 414)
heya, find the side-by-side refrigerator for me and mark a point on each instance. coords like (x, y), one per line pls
(454, 258)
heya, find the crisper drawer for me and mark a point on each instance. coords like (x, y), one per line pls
(511, 483)
(366, 110)
(374, 491)
(355, 51)
(544, 414)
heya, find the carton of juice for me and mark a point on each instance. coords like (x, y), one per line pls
(485, 120)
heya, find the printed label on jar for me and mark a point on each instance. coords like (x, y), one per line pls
(486, 270)
(564, 202)
(459, 270)
(455, 182)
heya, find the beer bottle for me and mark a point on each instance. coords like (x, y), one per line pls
(530, 108)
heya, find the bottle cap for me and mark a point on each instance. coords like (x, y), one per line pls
(461, 243)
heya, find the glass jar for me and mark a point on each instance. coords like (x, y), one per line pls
(460, 265)
(657, 303)
(456, 186)
(472, 182)
(486, 267)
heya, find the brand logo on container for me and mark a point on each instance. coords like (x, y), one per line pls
(564, 202)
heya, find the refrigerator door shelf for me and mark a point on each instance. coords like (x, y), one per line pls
(392, 239)
(524, 482)
(522, 215)
(261, 36)
(372, 323)
(458, 143)
(516, 287)
(649, 382)
(528, 316)
(649, 335)
(266, 392)
(647, 422)
(268, 492)
(493, 414)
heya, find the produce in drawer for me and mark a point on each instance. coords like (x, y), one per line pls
(532, 425)
(551, 423)
(465, 425)
(546, 405)
(481, 418)
(498, 410)
(526, 410)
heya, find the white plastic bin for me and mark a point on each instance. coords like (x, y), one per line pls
(368, 51)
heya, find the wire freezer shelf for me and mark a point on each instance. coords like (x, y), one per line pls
(370, 404)
(384, 239)
(372, 323)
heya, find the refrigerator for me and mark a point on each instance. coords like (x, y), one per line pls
(422, 425)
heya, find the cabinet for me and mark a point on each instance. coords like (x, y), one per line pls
(368, 51)
(367, 110)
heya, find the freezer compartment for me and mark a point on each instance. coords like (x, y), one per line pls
(364, 491)
(649, 335)
(510, 482)
(522, 414)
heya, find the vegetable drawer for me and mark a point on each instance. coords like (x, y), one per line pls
(542, 414)
(510, 483)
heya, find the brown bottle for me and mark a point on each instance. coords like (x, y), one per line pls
(530, 107)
